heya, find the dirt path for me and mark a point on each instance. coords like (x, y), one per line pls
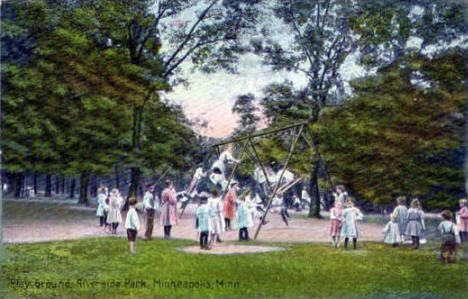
(37, 221)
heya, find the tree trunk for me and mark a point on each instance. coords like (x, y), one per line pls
(117, 180)
(63, 185)
(23, 185)
(94, 186)
(84, 182)
(57, 184)
(136, 144)
(35, 184)
(18, 185)
(72, 188)
(314, 210)
(48, 186)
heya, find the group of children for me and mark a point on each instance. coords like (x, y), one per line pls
(404, 223)
(108, 210)
(213, 216)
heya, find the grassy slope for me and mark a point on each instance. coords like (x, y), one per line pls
(305, 270)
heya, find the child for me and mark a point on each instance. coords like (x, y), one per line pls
(450, 238)
(204, 215)
(101, 208)
(169, 216)
(243, 219)
(229, 208)
(415, 226)
(401, 214)
(132, 224)
(462, 222)
(114, 217)
(350, 228)
(392, 231)
(218, 218)
(336, 221)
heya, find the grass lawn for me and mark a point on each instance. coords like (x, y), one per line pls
(304, 270)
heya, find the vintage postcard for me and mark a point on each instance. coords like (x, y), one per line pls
(234, 149)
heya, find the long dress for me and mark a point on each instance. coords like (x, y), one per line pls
(462, 224)
(217, 219)
(243, 216)
(350, 227)
(101, 204)
(204, 215)
(415, 226)
(114, 215)
(336, 217)
(229, 207)
(168, 207)
(392, 233)
(401, 213)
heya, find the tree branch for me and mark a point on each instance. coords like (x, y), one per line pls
(189, 35)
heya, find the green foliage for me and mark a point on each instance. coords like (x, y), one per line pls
(402, 133)
(374, 270)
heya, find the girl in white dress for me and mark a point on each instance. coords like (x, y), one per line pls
(218, 217)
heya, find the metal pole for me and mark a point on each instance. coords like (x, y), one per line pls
(234, 169)
(279, 181)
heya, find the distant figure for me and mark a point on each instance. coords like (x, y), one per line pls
(392, 232)
(168, 209)
(462, 217)
(149, 203)
(416, 225)
(350, 229)
(229, 206)
(305, 197)
(101, 208)
(450, 238)
(114, 216)
(401, 214)
(219, 168)
(336, 222)
(218, 218)
(198, 175)
(132, 224)
(204, 215)
(341, 194)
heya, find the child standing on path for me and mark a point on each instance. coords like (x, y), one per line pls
(204, 215)
(132, 224)
(350, 229)
(243, 219)
(401, 214)
(218, 217)
(392, 232)
(415, 226)
(101, 208)
(336, 222)
(114, 217)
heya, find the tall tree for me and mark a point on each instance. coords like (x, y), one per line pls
(246, 107)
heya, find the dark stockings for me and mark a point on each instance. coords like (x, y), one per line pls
(167, 231)
(354, 243)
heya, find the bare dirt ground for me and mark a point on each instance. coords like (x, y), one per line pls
(27, 221)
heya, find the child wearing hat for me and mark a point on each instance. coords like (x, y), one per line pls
(462, 217)
(392, 232)
(449, 233)
(229, 207)
(132, 224)
(204, 215)
(243, 219)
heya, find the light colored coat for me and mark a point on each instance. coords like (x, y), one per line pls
(243, 217)
(101, 204)
(218, 217)
(401, 213)
(204, 215)
(350, 228)
(168, 207)
(132, 221)
(392, 233)
(114, 215)
(415, 226)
